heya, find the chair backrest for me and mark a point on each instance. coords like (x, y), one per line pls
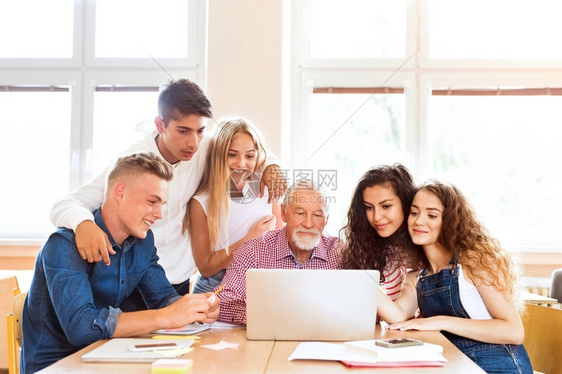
(14, 332)
(543, 337)
(556, 285)
(7, 286)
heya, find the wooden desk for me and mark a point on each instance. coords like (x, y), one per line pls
(250, 357)
(532, 298)
(264, 357)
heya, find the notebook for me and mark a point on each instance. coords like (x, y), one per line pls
(319, 305)
(119, 350)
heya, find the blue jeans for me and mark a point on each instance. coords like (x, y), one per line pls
(203, 284)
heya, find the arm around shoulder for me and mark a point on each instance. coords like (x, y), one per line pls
(75, 212)
(72, 210)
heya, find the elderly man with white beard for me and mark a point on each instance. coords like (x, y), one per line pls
(299, 245)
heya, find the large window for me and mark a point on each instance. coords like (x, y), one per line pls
(35, 157)
(36, 29)
(462, 92)
(503, 151)
(79, 82)
(379, 120)
(132, 108)
(493, 30)
(379, 29)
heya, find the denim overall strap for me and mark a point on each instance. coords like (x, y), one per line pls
(438, 294)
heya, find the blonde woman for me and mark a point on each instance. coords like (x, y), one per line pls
(226, 209)
(468, 286)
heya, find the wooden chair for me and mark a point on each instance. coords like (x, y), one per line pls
(543, 337)
(14, 332)
(7, 286)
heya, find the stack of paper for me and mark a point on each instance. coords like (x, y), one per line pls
(194, 328)
(366, 354)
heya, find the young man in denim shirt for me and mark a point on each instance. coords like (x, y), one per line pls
(72, 303)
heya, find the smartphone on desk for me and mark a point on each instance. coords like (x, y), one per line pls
(153, 347)
(395, 343)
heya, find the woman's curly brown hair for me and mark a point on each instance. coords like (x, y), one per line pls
(364, 248)
(469, 241)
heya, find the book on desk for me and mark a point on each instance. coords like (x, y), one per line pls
(365, 353)
(118, 350)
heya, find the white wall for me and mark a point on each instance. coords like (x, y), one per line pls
(244, 75)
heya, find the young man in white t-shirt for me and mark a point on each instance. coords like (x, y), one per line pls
(179, 137)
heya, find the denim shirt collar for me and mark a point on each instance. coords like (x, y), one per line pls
(127, 244)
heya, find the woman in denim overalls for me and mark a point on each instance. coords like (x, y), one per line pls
(466, 290)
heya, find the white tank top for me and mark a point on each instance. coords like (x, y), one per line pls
(243, 214)
(471, 299)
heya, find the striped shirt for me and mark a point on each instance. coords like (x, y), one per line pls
(393, 278)
(394, 272)
(269, 251)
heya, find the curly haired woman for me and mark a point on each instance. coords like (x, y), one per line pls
(376, 234)
(468, 288)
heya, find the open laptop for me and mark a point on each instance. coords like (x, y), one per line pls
(322, 305)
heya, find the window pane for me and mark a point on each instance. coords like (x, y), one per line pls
(505, 155)
(120, 118)
(141, 29)
(36, 158)
(36, 28)
(374, 134)
(501, 29)
(357, 29)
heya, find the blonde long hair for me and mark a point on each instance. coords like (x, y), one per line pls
(216, 176)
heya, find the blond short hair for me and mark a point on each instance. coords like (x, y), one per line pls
(138, 163)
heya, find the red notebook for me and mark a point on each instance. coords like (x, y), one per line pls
(391, 364)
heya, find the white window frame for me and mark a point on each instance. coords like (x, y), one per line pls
(82, 73)
(339, 78)
(430, 81)
(417, 74)
(302, 8)
(485, 64)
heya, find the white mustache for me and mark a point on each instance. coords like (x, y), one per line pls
(309, 231)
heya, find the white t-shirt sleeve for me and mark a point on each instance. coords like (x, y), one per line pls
(72, 210)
